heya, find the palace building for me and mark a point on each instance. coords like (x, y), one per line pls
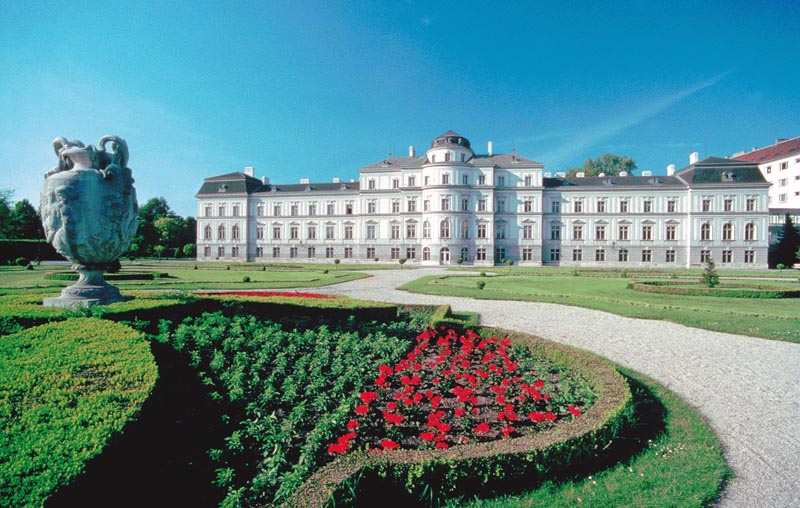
(452, 205)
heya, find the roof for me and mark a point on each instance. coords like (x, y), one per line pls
(779, 150)
(719, 170)
(310, 187)
(231, 183)
(613, 181)
(503, 160)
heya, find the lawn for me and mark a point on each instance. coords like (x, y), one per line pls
(768, 318)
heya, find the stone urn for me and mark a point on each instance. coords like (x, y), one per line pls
(89, 211)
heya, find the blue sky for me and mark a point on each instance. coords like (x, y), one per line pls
(318, 89)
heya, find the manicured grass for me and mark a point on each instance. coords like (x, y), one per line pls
(772, 319)
(681, 466)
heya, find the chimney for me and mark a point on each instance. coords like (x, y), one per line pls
(249, 171)
(336, 180)
(264, 180)
(694, 157)
(623, 173)
(489, 148)
(561, 174)
(781, 140)
(647, 173)
(671, 170)
(305, 180)
(411, 151)
(580, 174)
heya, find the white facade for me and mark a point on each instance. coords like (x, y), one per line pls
(780, 165)
(453, 204)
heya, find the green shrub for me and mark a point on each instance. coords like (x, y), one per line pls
(20, 261)
(482, 274)
(779, 266)
(29, 267)
(67, 388)
(246, 278)
(480, 284)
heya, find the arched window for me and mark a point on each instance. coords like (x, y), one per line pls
(235, 232)
(727, 231)
(464, 229)
(426, 254)
(221, 232)
(444, 255)
(749, 231)
(464, 254)
(705, 231)
(207, 233)
(426, 229)
(444, 229)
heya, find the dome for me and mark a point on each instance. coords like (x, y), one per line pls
(450, 138)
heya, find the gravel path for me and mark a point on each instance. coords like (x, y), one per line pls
(747, 388)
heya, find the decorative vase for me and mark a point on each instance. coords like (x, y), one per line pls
(89, 211)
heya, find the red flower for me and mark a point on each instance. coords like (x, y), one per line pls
(388, 444)
(393, 418)
(367, 397)
(338, 447)
(442, 444)
(427, 436)
(352, 425)
(506, 431)
(391, 406)
(538, 384)
(362, 410)
(536, 416)
(460, 411)
(481, 428)
(574, 410)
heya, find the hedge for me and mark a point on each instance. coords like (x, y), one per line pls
(28, 249)
(73, 276)
(65, 389)
(470, 468)
(726, 290)
(462, 321)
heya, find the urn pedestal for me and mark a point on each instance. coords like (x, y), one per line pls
(89, 211)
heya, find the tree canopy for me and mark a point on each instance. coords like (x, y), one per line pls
(20, 221)
(161, 231)
(786, 249)
(608, 164)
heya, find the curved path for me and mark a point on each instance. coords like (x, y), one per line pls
(747, 388)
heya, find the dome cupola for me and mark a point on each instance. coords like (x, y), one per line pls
(449, 147)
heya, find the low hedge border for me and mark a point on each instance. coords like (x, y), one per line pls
(65, 389)
(462, 321)
(476, 466)
(726, 291)
(72, 276)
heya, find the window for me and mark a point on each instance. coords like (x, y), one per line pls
(294, 233)
(464, 229)
(751, 205)
(426, 205)
(395, 183)
(600, 232)
(555, 232)
(426, 254)
(501, 181)
(555, 254)
(395, 206)
(527, 254)
(207, 233)
(221, 211)
(705, 231)
(331, 209)
(348, 252)
(600, 255)
(623, 206)
(727, 256)
(260, 210)
(372, 206)
(623, 232)
(555, 207)
(411, 205)
(295, 210)
(276, 232)
(329, 252)
(480, 254)
(412, 181)
(235, 232)
(276, 210)
(601, 206)
(312, 209)
(577, 255)
(221, 252)
(647, 256)
(411, 230)
(528, 180)
(311, 233)
(259, 232)
(481, 180)
(447, 156)
(671, 232)
(293, 252)
(501, 205)
(371, 184)
(348, 232)
(426, 229)
(500, 229)
(446, 179)
(411, 253)
(527, 205)
(623, 255)
(207, 251)
(445, 203)
(276, 252)
(647, 232)
(465, 205)
(371, 253)
(781, 198)
(348, 208)
(671, 206)
(482, 205)
(727, 205)
(464, 179)
(705, 255)
(769, 169)
(395, 231)
(481, 230)
(395, 253)
(750, 231)
(527, 232)
(783, 182)
(207, 212)
(706, 205)
(427, 179)
(647, 206)
(499, 254)
(221, 233)
(329, 232)
(784, 165)
(577, 232)
(749, 256)
(670, 256)
(578, 206)
(312, 252)
(727, 231)
(444, 255)
(370, 233)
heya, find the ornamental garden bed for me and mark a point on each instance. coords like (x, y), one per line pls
(725, 289)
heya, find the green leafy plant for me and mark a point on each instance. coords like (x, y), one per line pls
(710, 277)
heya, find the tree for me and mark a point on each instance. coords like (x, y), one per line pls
(710, 276)
(785, 252)
(25, 221)
(609, 164)
(189, 250)
(6, 214)
(155, 208)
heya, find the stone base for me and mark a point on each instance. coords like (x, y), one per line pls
(90, 290)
